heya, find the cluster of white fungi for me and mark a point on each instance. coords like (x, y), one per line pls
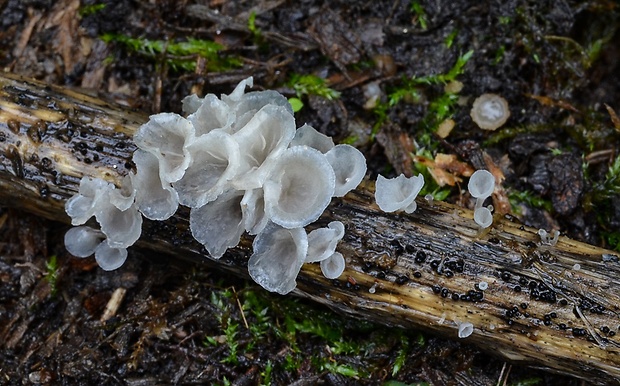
(241, 165)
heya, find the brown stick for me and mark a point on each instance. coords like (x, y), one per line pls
(553, 307)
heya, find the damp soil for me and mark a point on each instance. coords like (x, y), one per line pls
(157, 321)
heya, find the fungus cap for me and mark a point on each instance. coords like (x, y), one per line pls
(322, 242)
(278, 256)
(110, 258)
(82, 206)
(299, 187)
(208, 114)
(481, 184)
(253, 210)
(349, 166)
(465, 329)
(483, 217)
(218, 225)
(121, 227)
(490, 111)
(82, 241)
(333, 266)
(309, 136)
(155, 199)
(264, 138)
(167, 135)
(215, 160)
(398, 193)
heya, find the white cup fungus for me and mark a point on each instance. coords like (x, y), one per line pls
(218, 225)
(241, 166)
(322, 242)
(155, 199)
(481, 184)
(483, 217)
(333, 266)
(167, 136)
(490, 111)
(465, 329)
(278, 256)
(109, 258)
(309, 136)
(398, 193)
(349, 166)
(299, 187)
(215, 160)
(82, 241)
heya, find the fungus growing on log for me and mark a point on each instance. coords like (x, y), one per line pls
(241, 166)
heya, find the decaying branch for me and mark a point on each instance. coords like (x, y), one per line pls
(554, 307)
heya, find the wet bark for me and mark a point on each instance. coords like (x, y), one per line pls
(552, 307)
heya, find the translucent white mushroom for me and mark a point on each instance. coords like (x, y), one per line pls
(465, 329)
(278, 256)
(322, 242)
(483, 217)
(155, 199)
(218, 225)
(253, 209)
(110, 258)
(121, 227)
(208, 114)
(398, 193)
(490, 111)
(481, 184)
(299, 187)
(167, 136)
(333, 266)
(123, 197)
(82, 241)
(82, 206)
(215, 161)
(265, 137)
(349, 166)
(308, 136)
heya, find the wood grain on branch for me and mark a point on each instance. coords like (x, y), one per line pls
(552, 307)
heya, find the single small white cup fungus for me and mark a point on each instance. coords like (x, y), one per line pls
(167, 135)
(322, 242)
(299, 187)
(349, 166)
(110, 258)
(278, 256)
(481, 184)
(465, 329)
(483, 217)
(490, 111)
(309, 136)
(82, 241)
(215, 160)
(333, 266)
(398, 193)
(155, 199)
(218, 225)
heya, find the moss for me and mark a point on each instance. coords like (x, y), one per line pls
(181, 55)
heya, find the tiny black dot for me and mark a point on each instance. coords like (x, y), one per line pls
(455, 296)
(517, 288)
(417, 275)
(436, 289)
(505, 276)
